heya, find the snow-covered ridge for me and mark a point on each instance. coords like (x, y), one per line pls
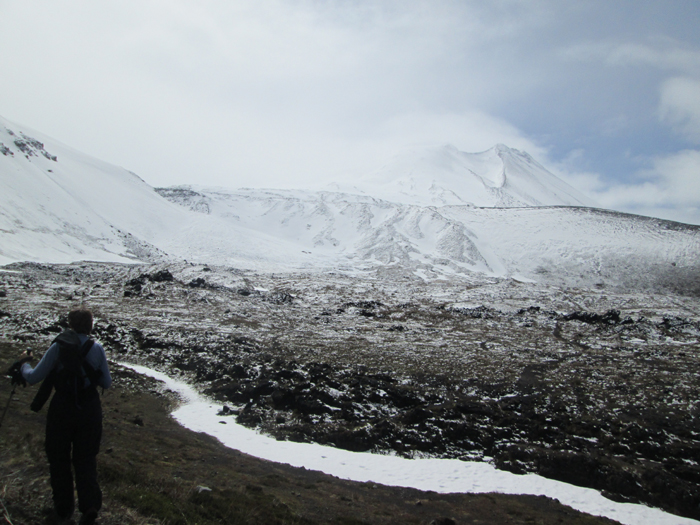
(437, 213)
(559, 245)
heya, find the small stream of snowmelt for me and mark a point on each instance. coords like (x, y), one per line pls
(199, 414)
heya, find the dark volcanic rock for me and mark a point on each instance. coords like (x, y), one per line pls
(161, 276)
(523, 432)
(609, 317)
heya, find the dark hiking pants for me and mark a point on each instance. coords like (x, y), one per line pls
(73, 435)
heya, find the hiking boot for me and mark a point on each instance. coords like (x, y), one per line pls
(89, 517)
(53, 518)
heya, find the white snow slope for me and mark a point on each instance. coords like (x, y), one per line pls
(59, 205)
(442, 175)
(443, 214)
(569, 246)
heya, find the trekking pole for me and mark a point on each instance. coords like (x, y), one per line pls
(11, 372)
(7, 405)
(5, 511)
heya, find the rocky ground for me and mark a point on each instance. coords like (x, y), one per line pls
(590, 387)
(153, 471)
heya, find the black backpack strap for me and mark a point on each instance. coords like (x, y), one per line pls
(83, 352)
(92, 374)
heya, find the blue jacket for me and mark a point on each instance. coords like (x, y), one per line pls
(95, 357)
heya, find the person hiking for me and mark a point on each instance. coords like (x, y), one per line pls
(75, 365)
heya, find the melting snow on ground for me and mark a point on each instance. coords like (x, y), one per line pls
(440, 475)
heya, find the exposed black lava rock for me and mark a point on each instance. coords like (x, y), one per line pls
(161, 276)
(197, 283)
(135, 286)
(609, 317)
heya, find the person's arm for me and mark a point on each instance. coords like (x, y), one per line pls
(39, 373)
(98, 360)
(106, 378)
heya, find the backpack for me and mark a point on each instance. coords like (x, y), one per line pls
(69, 376)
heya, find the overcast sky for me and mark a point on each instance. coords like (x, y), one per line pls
(282, 93)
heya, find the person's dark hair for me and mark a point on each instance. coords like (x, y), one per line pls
(80, 320)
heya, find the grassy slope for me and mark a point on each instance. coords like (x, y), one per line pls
(152, 471)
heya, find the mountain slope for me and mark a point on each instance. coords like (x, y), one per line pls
(498, 177)
(568, 246)
(59, 205)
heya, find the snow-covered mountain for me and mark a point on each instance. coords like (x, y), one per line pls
(439, 213)
(59, 205)
(569, 246)
(443, 175)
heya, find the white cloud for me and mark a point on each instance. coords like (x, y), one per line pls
(295, 91)
(680, 106)
(468, 131)
(670, 187)
(679, 176)
(251, 92)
